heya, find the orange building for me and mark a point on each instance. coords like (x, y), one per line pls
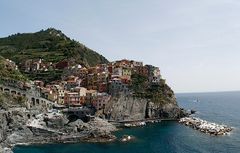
(72, 98)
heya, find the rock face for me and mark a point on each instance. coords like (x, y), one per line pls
(98, 130)
(167, 111)
(17, 128)
(60, 130)
(3, 127)
(56, 128)
(11, 122)
(127, 107)
(5, 150)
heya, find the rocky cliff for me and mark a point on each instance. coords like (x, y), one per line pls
(126, 108)
(11, 120)
(17, 128)
(18, 125)
(160, 103)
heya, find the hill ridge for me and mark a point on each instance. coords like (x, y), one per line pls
(49, 40)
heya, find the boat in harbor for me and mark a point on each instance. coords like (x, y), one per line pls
(196, 100)
(127, 138)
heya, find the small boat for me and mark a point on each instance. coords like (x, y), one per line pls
(196, 100)
(126, 138)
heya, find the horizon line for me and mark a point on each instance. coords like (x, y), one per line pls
(200, 92)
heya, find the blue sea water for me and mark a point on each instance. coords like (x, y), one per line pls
(170, 137)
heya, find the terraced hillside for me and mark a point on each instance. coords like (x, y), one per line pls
(51, 45)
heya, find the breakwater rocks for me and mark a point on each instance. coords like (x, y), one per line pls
(205, 126)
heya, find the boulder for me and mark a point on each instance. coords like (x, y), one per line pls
(78, 122)
(19, 136)
(55, 120)
(7, 150)
(102, 125)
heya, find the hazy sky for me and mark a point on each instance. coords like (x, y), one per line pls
(196, 43)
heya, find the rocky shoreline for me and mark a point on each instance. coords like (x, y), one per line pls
(205, 126)
(52, 127)
(22, 126)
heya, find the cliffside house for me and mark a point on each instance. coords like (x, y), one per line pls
(116, 87)
(33, 65)
(102, 100)
(102, 81)
(92, 70)
(83, 75)
(82, 93)
(92, 81)
(122, 63)
(136, 64)
(103, 87)
(91, 97)
(72, 82)
(126, 73)
(102, 68)
(141, 70)
(117, 71)
(49, 94)
(154, 75)
(72, 98)
(59, 90)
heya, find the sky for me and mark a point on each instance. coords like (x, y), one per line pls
(196, 43)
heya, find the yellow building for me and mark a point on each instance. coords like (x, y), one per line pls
(81, 90)
(126, 73)
(52, 96)
(60, 92)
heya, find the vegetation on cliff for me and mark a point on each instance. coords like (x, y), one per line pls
(9, 71)
(7, 100)
(159, 93)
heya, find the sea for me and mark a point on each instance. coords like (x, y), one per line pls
(169, 136)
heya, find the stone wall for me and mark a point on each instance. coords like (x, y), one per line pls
(34, 101)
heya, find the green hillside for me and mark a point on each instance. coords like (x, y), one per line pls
(8, 71)
(51, 45)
